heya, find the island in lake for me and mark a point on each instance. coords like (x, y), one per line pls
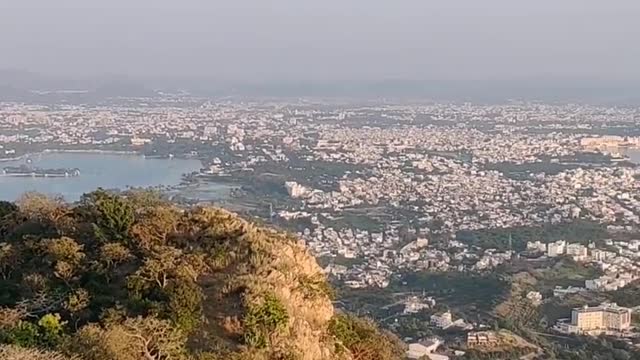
(28, 171)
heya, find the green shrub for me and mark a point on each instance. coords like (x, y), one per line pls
(112, 215)
(263, 319)
(185, 304)
(47, 332)
(312, 287)
(24, 334)
(364, 340)
(51, 329)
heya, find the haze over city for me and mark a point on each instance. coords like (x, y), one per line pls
(331, 40)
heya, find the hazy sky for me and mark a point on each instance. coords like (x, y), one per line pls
(324, 39)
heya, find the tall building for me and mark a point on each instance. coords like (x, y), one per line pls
(608, 317)
(616, 318)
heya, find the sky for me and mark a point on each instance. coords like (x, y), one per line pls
(324, 40)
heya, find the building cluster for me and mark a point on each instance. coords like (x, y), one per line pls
(619, 262)
(415, 304)
(371, 186)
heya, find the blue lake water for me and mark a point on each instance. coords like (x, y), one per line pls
(108, 171)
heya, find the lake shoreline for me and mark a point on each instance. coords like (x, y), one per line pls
(107, 169)
(632, 155)
(71, 151)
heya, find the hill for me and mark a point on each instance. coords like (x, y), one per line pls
(132, 277)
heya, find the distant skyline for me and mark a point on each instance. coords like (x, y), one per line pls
(329, 40)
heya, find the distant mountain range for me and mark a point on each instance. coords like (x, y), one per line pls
(18, 85)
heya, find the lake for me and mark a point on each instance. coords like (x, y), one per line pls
(108, 171)
(634, 155)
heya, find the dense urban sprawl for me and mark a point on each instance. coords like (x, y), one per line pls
(377, 191)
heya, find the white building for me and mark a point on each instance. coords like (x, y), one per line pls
(296, 190)
(577, 251)
(600, 255)
(425, 349)
(608, 318)
(415, 304)
(556, 248)
(442, 320)
(537, 246)
(136, 141)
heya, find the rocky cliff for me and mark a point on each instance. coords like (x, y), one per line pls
(133, 277)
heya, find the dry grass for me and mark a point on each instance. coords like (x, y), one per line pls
(266, 263)
(8, 352)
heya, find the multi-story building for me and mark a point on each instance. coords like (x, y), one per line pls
(577, 251)
(481, 338)
(537, 246)
(600, 255)
(616, 318)
(556, 248)
(587, 318)
(443, 320)
(608, 317)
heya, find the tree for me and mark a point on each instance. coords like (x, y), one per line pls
(154, 339)
(77, 301)
(66, 256)
(156, 270)
(7, 208)
(154, 225)
(114, 253)
(93, 342)
(145, 199)
(42, 215)
(164, 264)
(185, 304)
(112, 215)
(10, 259)
(63, 249)
(40, 206)
(64, 271)
(12, 352)
(46, 333)
(141, 338)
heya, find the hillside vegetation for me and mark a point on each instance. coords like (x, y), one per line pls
(132, 277)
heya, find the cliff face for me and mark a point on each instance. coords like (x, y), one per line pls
(269, 273)
(132, 277)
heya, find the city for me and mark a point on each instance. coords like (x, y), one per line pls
(543, 200)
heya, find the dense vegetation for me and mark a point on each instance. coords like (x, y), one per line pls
(131, 277)
(581, 231)
(363, 340)
(480, 292)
